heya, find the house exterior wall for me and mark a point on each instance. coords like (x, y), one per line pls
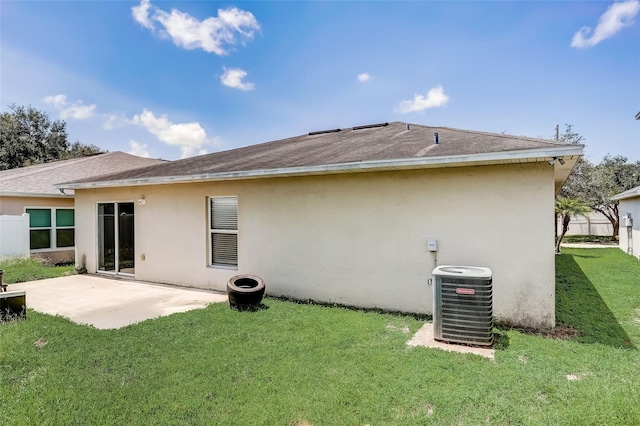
(630, 205)
(16, 206)
(354, 239)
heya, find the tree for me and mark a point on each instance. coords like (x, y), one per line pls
(565, 209)
(569, 136)
(612, 176)
(29, 136)
(596, 184)
(579, 180)
(79, 149)
(576, 183)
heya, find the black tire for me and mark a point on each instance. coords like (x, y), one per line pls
(245, 291)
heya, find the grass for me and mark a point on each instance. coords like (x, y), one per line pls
(19, 269)
(598, 293)
(295, 364)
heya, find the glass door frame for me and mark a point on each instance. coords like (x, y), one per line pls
(116, 238)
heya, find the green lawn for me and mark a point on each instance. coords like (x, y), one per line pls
(17, 270)
(297, 364)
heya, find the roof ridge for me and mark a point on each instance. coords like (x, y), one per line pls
(501, 135)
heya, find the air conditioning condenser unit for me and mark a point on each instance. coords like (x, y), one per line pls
(463, 305)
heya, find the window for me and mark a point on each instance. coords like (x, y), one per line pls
(65, 232)
(39, 228)
(51, 228)
(223, 229)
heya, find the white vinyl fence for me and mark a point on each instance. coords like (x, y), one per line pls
(593, 224)
(14, 235)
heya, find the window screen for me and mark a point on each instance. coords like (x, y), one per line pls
(39, 218)
(64, 217)
(224, 230)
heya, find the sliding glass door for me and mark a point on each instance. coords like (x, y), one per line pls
(116, 248)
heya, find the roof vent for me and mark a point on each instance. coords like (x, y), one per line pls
(370, 126)
(320, 132)
(435, 138)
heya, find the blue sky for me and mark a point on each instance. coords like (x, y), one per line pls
(172, 79)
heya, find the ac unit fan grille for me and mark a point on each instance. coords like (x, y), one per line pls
(464, 310)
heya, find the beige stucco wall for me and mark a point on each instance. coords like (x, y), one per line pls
(355, 239)
(17, 205)
(630, 205)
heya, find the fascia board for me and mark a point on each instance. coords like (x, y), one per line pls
(34, 195)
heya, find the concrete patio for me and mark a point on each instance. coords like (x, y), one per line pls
(108, 303)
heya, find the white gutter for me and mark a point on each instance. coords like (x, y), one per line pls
(34, 195)
(502, 157)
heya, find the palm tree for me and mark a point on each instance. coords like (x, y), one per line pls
(565, 208)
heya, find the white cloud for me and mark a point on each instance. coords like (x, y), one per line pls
(232, 77)
(114, 122)
(212, 34)
(191, 138)
(364, 77)
(435, 98)
(74, 110)
(138, 149)
(57, 101)
(141, 14)
(616, 17)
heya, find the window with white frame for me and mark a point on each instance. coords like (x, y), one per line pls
(223, 230)
(51, 228)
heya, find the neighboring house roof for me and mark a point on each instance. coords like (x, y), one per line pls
(631, 193)
(38, 180)
(388, 146)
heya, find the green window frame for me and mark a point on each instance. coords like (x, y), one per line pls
(51, 228)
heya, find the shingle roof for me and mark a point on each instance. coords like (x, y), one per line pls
(41, 178)
(389, 141)
(631, 193)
